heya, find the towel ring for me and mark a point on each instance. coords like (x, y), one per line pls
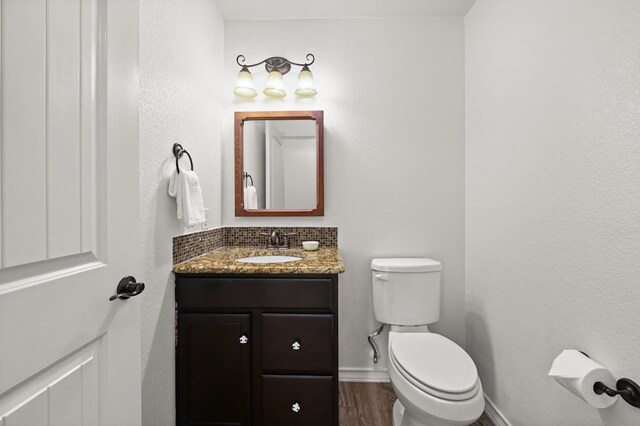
(247, 176)
(178, 152)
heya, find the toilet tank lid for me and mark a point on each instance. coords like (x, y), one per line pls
(406, 264)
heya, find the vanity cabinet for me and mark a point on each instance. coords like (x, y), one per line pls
(257, 350)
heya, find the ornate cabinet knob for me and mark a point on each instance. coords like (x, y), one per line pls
(296, 346)
(243, 340)
(296, 408)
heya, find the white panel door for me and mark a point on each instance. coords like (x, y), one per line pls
(68, 212)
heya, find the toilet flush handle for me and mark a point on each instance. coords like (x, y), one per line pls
(382, 277)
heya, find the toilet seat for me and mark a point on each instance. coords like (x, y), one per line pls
(435, 365)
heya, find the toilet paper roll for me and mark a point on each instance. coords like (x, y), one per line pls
(578, 373)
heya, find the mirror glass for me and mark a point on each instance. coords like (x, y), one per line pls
(279, 167)
(280, 163)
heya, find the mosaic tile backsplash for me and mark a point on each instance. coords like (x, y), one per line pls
(188, 246)
(250, 236)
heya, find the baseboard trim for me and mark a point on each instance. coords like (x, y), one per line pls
(366, 375)
(494, 414)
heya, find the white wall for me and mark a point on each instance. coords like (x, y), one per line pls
(180, 75)
(393, 95)
(553, 199)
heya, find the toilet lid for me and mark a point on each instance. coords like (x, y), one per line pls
(436, 363)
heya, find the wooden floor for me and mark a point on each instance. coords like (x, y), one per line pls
(371, 404)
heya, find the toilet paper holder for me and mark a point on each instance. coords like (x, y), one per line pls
(626, 388)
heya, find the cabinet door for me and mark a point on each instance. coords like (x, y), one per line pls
(214, 354)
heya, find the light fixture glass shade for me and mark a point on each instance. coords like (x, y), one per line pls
(244, 84)
(306, 86)
(275, 85)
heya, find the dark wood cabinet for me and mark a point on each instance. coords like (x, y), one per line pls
(257, 350)
(215, 369)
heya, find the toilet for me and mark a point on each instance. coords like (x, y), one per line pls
(435, 380)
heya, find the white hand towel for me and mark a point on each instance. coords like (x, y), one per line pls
(185, 187)
(175, 193)
(250, 198)
(192, 203)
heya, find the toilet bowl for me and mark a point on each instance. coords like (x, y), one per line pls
(435, 380)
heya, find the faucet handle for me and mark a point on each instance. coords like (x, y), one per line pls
(285, 243)
(270, 239)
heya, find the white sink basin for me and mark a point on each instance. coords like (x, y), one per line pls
(268, 259)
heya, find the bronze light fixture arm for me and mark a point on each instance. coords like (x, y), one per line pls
(276, 63)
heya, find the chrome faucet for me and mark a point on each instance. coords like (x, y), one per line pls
(277, 239)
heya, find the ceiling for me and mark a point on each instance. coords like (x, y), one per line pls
(319, 9)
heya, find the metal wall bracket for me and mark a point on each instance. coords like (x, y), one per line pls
(626, 388)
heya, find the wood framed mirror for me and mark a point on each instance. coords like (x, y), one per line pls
(279, 163)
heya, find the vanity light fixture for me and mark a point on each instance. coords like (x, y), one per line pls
(276, 66)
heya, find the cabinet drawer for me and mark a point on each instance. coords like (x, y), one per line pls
(265, 293)
(298, 401)
(299, 343)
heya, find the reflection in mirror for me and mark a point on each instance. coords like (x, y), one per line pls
(280, 163)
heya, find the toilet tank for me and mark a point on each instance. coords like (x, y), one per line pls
(406, 291)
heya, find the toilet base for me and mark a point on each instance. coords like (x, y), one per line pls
(402, 418)
(398, 412)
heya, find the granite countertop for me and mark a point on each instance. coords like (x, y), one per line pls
(326, 260)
